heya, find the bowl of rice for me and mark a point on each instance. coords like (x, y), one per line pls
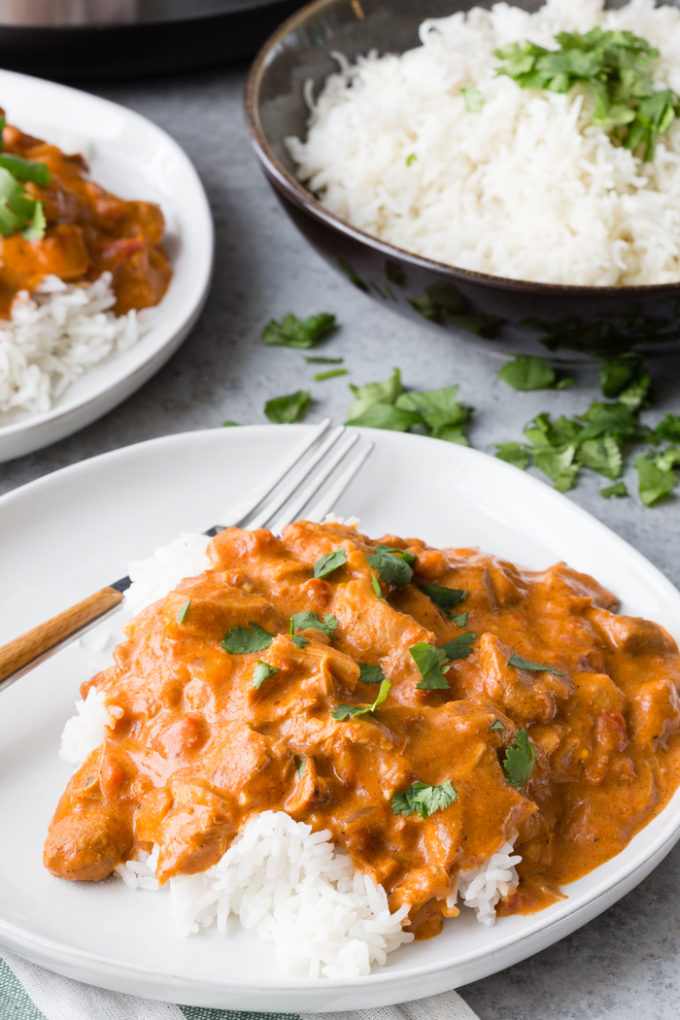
(508, 172)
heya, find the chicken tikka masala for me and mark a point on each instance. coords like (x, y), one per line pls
(424, 705)
(80, 230)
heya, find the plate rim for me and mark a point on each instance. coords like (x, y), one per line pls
(170, 337)
(565, 916)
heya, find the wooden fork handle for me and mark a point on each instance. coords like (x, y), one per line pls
(37, 642)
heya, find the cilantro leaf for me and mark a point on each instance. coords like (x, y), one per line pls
(370, 674)
(460, 620)
(514, 453)
(602, 455)
(342, 712)
(528, 372)
(423, 799)
(325, 565)
(314, 360)
(299, 640)
(19, 213)
(310, 621)
(290, 331)
(384, 416)
(473, 98)
(393, 567)
(262, 672)
(385, 405)
(432, 663)
(497, 725)
(558, 465)
(182, 615)
(375, 585)
(411, 158)
(439, 409)
(385, 392)
(533, 667)
(627, 379)
(331, 374)
(655, 481)
(26, 169)
(668, 429)
(444, 598)
(241, 640)
(459, 647)
(288, 408)
(519, 760)
(618, 490)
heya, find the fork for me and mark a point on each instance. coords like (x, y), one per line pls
(295, 490)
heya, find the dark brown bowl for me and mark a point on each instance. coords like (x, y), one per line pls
(514, 314)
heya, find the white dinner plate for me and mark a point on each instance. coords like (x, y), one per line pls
(135, 159)
(69, 533)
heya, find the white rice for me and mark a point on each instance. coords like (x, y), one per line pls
(54, 336)
(526, 187)
(282, 881)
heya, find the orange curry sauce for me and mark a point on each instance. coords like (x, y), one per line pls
(197, 750)
(89, 231)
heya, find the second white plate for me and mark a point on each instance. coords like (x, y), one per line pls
(135, 159)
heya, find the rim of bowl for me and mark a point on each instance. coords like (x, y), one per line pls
(308, 202)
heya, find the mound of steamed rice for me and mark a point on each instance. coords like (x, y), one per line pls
(524, 187)
(283, 882)
(54, 336)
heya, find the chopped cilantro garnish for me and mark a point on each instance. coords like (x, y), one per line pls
(656, 479)
(473, 98)
(385, 405)
(533, 667)
(262, 672)
(182, 615)
(300, 765)
(342, 712)
(375, 585)
(460, 647)
(519, 760)
(332, 561)
(393, 565)
(331, 374)
(411, 158)
(460, 620)
(444, 598)
(432, 663)
(615, 66)
(497, 725)
(424, 800)
(241, 640)
(19, 212)
(287, 408)
(299, 640)
(370, 674)
(618, 490)
(310, 621)
(301, 333)
(527, 372)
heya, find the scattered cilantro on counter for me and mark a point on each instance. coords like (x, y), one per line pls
(288, 408)
(342, 712)
(528, 372)
(386, 405)
(323, 361)
(519, 760)
(423, 799)
(600, 438)
(241, 640)
(290, 331)
(432, 663)
(262, 672)
(332, 373)
(615, 66)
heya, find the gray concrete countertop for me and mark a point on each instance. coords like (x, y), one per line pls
(624, 963)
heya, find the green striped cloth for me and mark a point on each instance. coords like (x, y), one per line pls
(28, 992)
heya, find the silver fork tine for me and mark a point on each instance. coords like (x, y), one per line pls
(292, 483)
(324, 506)
(302, 496)
(241, 511)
